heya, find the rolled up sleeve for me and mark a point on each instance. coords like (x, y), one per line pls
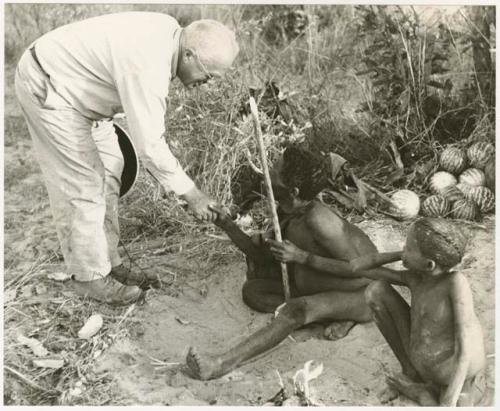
(145, 107)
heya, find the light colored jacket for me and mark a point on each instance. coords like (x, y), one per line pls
(121, 63)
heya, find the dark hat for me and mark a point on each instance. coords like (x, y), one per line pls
(131, 167)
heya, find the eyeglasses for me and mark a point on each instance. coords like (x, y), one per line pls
(208, 76)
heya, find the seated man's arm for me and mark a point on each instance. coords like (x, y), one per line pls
(324, 233)
(237, 236)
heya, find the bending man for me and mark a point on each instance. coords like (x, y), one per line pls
(89, 71)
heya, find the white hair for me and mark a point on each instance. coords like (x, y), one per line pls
(214, 43)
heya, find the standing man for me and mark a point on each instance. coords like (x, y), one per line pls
(86, 72)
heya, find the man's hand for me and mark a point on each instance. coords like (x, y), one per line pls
(223, 218)
(199, 203)
(287, 252)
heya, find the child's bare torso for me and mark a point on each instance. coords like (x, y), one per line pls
(347, 240)
(432, 338)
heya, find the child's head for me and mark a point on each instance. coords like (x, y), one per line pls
(434, 245)
(298, 175)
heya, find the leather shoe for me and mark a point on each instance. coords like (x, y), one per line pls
(107, 290)
(128, 277)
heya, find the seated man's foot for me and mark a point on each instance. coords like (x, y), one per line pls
(107, 290)
(338, 330)
(416, 391)
(203, 367)
(128, 277)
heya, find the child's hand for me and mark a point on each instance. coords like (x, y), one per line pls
(223, 216)
(287, 252)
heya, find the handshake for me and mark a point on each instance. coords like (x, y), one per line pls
(205, 209)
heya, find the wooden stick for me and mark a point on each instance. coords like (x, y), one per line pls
(269, 190)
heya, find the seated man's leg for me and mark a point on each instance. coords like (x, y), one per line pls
(263, 290)
(473, 392)
(296, 313)
(263, 295)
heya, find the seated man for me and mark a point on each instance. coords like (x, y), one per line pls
(318, 245)
(438, 340)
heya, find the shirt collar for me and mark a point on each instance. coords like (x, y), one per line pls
(175, 57)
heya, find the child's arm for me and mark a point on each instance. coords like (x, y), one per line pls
(461, 301)
(289, 252)
(238, 237)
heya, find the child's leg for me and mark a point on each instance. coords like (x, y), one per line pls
(297, 312)
(473, 392)
(392, 316)
(424, 394)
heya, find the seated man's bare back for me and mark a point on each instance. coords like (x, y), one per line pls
(318, 245)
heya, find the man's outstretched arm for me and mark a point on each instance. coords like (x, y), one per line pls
(145, 106)
(237, 236)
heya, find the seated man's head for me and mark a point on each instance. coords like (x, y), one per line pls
(297, 177)
(433, 246)
(207, 49)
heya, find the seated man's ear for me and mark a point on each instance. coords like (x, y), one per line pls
(294, 192)
(430, 265)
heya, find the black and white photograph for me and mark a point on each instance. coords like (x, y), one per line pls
(249, 204)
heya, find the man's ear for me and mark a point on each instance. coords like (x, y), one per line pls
(187, 54)
(430, 265)
(294, 192)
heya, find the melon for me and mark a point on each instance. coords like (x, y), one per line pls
(405, 204)
(441, 180)
(453, 160)
(489, 174)
(465, 210)
(472, 177)
(464, 188)
(453, 193)
(435, 206)
(479, 153)
(483, 197)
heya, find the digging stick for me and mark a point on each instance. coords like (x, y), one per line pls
(269, 190)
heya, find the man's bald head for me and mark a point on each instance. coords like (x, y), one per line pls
(214, 43)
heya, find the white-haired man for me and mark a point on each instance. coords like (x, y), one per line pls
(83, 74)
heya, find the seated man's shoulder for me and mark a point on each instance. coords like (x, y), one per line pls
(320, 216)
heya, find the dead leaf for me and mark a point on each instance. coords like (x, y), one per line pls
(36, 346)
(183, 322)
(91, 327)
(55, 363)
(26, 291)
(40, 289)
(9, 295)
(233, 376)
(59, 276)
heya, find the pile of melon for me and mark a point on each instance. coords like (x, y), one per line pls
(464, 186)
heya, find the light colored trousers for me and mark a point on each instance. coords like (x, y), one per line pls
(82, 164)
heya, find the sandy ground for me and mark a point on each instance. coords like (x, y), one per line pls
(205, 309)
(210, 314)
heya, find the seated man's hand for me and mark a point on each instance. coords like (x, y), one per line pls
(223, 218)
(198, 205)
(287, 252)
